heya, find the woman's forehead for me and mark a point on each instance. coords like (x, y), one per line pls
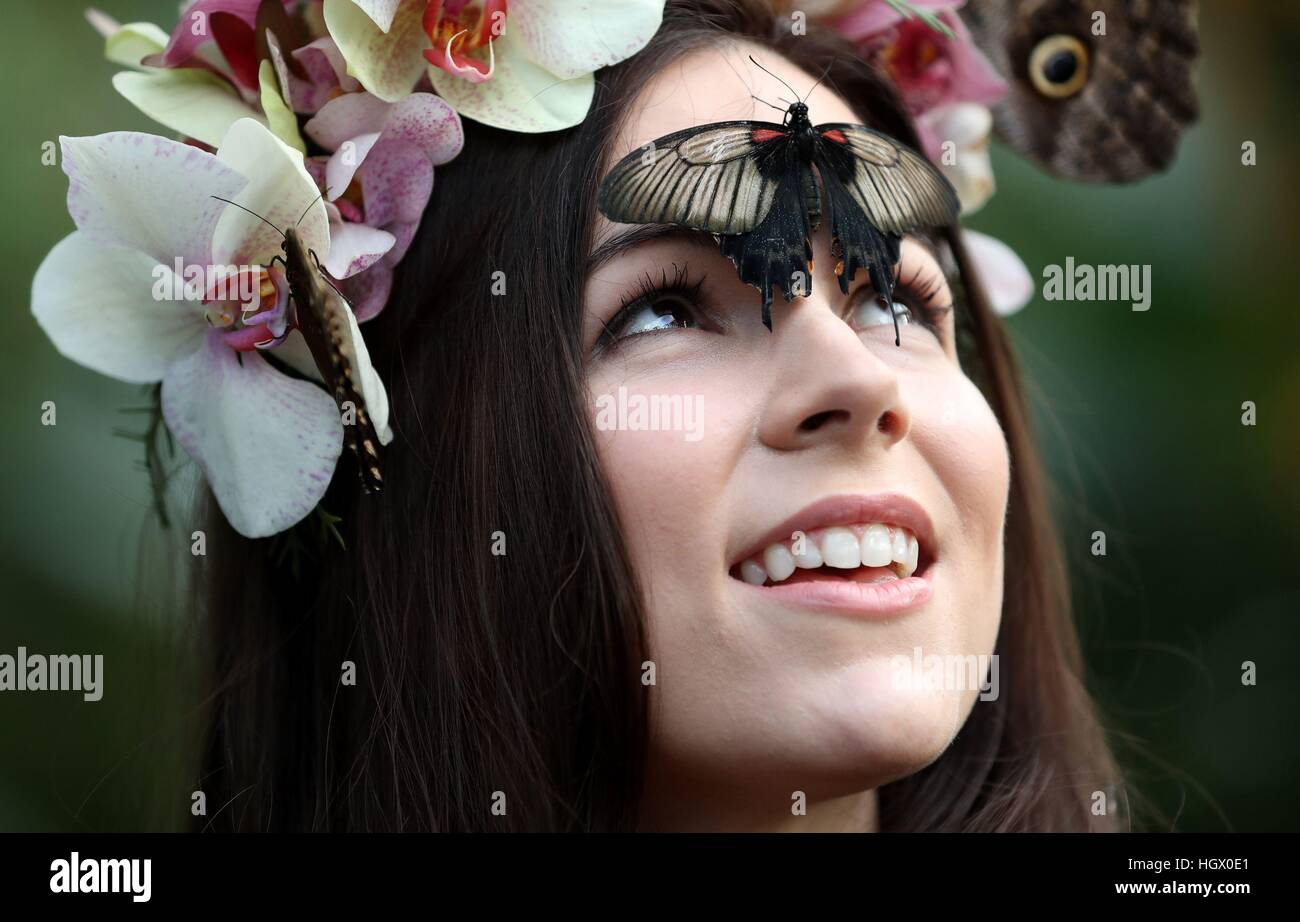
(714, 84)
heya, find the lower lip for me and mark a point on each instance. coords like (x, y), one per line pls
(873, 600)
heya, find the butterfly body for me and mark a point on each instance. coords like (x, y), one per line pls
(320, 313)
(754, 185)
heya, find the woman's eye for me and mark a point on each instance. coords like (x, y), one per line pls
(645, 316)
(868, 312)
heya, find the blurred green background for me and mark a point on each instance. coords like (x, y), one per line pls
(1139, 415)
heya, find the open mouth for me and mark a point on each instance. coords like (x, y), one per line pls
(867, 552)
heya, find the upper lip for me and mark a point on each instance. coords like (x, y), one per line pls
(850, 509)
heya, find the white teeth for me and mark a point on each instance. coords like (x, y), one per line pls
(899, 544)
(877, 549)
(840, 548)
(811, 556)
(752, 573)
(778, 561)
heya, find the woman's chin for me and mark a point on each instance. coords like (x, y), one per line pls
(832, 744)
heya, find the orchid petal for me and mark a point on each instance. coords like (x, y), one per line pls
(343, 165)
(574, 37)
(404, 231)
(101, 22)
(1006, 279)
(195, 25)
(267, 443)
(99, 307)
(372, 389)
(278, 116)
(345, 117)
(428, 122)
(522, 96)
(295, 353)
(280, 190)
(381, 11)
(397, 178)
(193, 102)
(147, 193)
(355, 248)
(325, 65)
(325, 70)
(388, 63)
(131, 43)
(367, 292)
(966, 125)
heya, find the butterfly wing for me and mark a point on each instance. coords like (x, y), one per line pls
(897, 188)
(717, 178)
(876, 191)
(326, 322)
(1099, 108)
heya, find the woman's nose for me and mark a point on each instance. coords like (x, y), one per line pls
(825, 386)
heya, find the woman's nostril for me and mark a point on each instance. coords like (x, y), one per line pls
(817, 420)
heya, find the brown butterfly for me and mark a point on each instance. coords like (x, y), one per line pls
(1100, 91)
(321, 313)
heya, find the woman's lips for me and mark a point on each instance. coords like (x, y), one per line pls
(866, 555)
(867, 591)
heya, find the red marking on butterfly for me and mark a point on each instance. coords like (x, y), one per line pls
(759, 135)
(835, 135)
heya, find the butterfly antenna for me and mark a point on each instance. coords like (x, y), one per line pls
(770, 74)
(250, 211)
(826, 70)
(766, 103)
(309, 207)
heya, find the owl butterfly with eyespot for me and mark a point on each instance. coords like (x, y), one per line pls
(1099, 91)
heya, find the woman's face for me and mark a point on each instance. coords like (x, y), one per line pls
(753, 469)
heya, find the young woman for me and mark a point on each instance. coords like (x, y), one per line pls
(555, 623)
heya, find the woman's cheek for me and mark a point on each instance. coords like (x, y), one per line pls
(667, 452)
(966, 450)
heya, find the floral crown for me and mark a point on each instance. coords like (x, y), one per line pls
(310, 132)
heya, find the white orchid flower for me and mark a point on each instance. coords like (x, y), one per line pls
(1006, 279)
(523, 66)
(195, 102)
(144, 208)
(966, 126)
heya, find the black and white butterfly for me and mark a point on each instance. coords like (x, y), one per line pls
(752, 185)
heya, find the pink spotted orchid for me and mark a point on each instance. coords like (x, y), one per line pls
(144, 208)
(378, 179)
(522, 65)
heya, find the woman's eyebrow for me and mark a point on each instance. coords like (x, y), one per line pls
(619, 243)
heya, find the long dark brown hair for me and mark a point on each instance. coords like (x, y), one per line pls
(513, 680)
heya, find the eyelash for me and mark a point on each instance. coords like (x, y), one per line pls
(915, 294)
(645, 294)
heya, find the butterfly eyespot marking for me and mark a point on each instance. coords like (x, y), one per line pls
(1058, 66)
